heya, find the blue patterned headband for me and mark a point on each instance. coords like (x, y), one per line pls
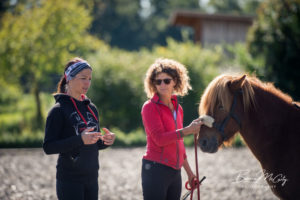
(74, 69)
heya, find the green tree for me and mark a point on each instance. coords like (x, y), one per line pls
(234, 6)
(132, 24)
(117, 22)
(37, 41)
(157, 27)
(275, 36)
(4, 5)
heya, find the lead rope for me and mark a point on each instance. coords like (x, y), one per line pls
(197, 173)
(196, 183)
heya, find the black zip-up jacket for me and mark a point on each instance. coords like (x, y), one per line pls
(76, 161)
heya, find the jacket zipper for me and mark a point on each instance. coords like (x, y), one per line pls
(177, 146)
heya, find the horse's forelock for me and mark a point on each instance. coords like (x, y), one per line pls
(218, 93)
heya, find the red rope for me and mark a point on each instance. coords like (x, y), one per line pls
(92, 112)
(81, 116)
(197, 173)
(195, 183)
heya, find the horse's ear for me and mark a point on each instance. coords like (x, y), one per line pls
(237, 83)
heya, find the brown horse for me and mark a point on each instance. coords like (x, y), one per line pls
(268, 121)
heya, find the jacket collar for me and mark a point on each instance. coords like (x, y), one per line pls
(61, 97)
(156, 99)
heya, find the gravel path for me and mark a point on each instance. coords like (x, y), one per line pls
(29, 174)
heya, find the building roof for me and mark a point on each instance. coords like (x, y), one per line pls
(190, 18)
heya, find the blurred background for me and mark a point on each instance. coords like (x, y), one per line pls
(120, 39)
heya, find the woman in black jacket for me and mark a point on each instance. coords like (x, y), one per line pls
(73, 132)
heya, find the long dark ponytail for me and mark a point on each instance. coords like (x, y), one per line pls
(61, 86)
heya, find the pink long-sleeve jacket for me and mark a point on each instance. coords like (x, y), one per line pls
(164, 143)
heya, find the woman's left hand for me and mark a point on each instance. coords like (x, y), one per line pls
(191, 177)
(109, 137)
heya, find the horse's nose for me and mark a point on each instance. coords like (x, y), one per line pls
(203, 142)
(208, 145)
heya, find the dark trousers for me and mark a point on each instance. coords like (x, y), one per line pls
(77, 190)
(160, 182)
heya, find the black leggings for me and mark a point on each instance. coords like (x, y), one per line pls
(77, 190)
(160, 182)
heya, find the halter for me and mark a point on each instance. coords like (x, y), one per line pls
(221, 127)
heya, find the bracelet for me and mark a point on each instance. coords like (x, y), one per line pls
(181, 133)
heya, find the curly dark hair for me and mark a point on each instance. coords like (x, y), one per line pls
(174, 69)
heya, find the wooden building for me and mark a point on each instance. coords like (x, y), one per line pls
(214, 28)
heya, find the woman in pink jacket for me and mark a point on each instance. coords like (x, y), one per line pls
(163, 123)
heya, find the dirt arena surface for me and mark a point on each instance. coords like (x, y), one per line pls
(232, 174)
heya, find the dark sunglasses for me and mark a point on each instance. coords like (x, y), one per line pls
(167, 81)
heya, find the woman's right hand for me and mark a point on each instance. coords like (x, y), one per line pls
(193, 128)
(89, 137)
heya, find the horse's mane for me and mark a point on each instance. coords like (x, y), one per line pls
(218, 93)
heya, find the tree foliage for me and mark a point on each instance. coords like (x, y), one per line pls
(234, 6)
(133, 24)
(38, 39)
(275, 36)
(4, 5)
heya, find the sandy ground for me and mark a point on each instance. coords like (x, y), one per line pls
(29, 174)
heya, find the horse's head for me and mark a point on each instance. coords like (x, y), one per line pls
(225, 100)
